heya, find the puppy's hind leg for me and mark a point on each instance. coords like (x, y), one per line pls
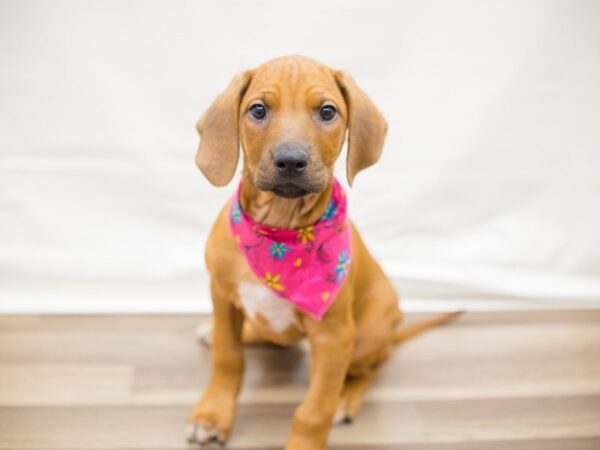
(360, 374)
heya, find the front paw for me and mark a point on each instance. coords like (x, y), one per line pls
(211, 420)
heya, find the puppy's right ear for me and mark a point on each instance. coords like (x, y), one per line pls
(218, 152)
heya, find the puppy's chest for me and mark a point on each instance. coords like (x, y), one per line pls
(265, 308)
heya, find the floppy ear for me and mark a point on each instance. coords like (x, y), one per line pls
(218, 152)
(367, 127)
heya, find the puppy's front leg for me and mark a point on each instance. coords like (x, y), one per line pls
(331, 341)
(213, 416)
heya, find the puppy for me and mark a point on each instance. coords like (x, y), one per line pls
(285, 263)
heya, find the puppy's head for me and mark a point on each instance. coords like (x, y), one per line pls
(290, 116)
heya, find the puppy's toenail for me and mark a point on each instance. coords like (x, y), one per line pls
(190, 432)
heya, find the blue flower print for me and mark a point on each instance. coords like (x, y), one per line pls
(236, 213)
(342, 265)
(278, 250)
(330, 211)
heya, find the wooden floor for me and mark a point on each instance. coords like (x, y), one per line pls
(486, 382)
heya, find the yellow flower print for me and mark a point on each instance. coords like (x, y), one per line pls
(273, 281)
(306, 234)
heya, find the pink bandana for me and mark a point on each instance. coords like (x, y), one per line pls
(306, 266)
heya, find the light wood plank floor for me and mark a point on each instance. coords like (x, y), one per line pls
(486, 382)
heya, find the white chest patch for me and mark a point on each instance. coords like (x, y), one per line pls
(259, 299)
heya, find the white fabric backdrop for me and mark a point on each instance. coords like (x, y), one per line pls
(489, 187)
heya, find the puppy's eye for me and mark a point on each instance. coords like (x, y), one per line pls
(258, 111)
(327, 112)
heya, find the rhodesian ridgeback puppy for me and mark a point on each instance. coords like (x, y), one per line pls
(290, 116)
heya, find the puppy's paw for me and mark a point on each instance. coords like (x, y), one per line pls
(348, 407)
(342, 417)
(211, 420)
(204, 434)
(204, 333)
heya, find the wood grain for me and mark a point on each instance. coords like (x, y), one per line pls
(489, 381)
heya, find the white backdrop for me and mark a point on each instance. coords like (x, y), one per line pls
(488, 191)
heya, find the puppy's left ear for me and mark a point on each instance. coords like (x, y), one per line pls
(367, 127)
(219, 148)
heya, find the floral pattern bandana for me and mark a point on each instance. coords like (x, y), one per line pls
(305, 266)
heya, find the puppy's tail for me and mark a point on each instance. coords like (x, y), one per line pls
(414, 329)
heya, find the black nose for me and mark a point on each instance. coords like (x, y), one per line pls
(290, 162)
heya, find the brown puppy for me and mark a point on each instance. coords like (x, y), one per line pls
(293, 104)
